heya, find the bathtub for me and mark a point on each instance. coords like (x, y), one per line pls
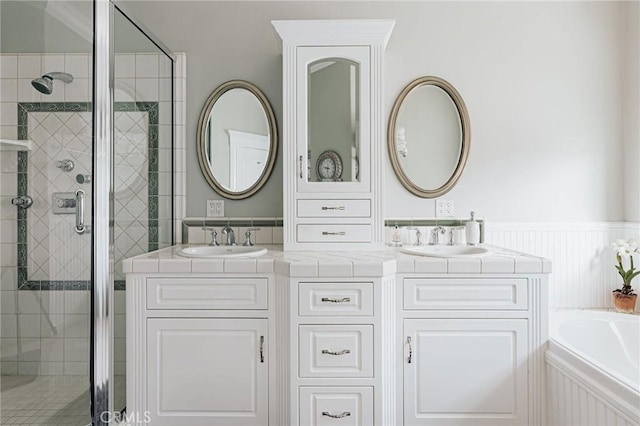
(593, 369)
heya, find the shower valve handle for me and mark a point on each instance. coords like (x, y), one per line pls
(24, 201)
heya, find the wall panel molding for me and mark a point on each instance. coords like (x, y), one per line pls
(583, 273)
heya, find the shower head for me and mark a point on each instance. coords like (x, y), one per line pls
(44, 84)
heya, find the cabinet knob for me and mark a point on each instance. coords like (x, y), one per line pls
(336, 416)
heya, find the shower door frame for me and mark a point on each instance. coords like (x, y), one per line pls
(102, 254)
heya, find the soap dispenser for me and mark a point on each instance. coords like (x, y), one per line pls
(473, 231)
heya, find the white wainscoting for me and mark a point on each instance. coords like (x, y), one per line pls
(583, 260)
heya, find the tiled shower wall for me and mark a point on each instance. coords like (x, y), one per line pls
(44, 330)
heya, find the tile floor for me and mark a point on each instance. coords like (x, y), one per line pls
(49, 400)
(44, 400)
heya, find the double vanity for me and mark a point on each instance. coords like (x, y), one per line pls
(343, 338)
(333, 327)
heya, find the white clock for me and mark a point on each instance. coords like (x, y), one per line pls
(329, 167)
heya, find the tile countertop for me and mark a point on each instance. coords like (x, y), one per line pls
(337, 264)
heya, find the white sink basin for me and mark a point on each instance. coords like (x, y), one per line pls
(222, 251)
(446, 251)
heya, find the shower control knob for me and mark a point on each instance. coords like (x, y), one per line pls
(24, 201)
(65, 165)
(66, 203)
(80, 178)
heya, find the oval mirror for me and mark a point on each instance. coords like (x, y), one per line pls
(428, 137)
(237, 139)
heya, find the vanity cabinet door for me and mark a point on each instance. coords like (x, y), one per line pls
(204, 371)
(333, 150)
(466, 372)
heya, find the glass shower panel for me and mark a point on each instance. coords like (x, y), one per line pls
(143, 163)
(45, 106)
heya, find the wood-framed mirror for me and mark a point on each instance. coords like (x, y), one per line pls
(428, 137)
(237, 139)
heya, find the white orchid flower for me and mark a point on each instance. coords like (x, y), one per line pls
(626, 248)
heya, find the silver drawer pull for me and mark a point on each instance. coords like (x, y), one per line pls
(342, 352)
(331, 300)
(333, 208)
(334, 233)
(336, 416)
(410, 350)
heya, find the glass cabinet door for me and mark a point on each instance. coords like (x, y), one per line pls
(333, 137)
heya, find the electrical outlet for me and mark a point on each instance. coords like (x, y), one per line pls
(215, 208)
(445, 208)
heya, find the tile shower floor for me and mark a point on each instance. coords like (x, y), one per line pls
(44, 400)
(47, 400)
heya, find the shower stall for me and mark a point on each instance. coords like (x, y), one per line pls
(86, 180)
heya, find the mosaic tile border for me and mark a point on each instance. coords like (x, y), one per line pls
(24, 108)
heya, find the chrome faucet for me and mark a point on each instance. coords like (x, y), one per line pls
(229, 235)
(435, 235)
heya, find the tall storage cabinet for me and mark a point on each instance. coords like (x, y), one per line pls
(333, 133)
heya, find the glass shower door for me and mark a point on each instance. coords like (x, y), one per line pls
(142, 179)
(46, 194)
(85, 181)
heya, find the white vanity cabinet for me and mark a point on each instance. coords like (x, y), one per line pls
(333, 133)
(342, 338)
(198, 349)
(472, 349)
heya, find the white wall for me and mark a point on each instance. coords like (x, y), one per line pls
(541, 81)
(631, 96)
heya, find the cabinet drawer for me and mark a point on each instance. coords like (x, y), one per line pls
(207, 293)
(334, 208)
(344, 406)
(334, 233)
(465, 293)
(336, 350)
(319, 299)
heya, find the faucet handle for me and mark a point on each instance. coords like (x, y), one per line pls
(418, 235)
(214, 235)
(247, 236)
